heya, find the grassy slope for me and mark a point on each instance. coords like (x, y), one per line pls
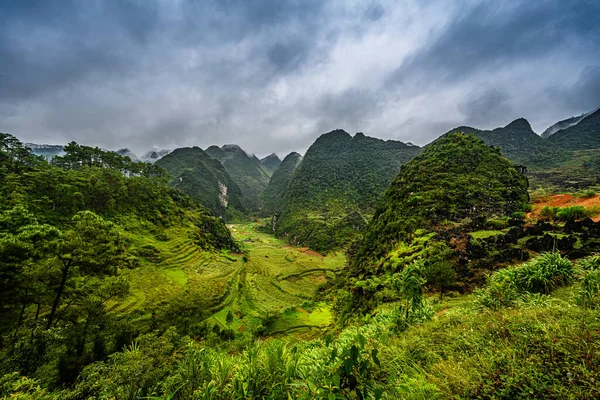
(275, 279)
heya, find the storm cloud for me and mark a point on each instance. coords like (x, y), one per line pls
(272, 76)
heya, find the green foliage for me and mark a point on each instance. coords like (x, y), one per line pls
(566, 213)
(540, 275)
(336, 187)
(454, 178)
(203, 178)
(520, 144)
(583, 135)
(246, 171)
(272, 196)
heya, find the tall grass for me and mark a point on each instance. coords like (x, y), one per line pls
(540, 275)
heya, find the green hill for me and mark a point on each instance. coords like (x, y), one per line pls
(203, 178)
(564, 124)
(336, 186)
(520, 144)
(273, 195)
(457, 178)
(585, 135)
(270, 162)
(249, 174)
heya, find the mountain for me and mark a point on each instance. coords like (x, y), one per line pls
(48, 151)
(519, 143)
(128, 153)
(336, 186)
(154, 155)
(270, 162)
(421, 225)
(273, 195)
(456, 178)
(251, 177)
(584, 135)
(567, 123)
(202, 178)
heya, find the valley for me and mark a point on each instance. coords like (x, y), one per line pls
(269, 281)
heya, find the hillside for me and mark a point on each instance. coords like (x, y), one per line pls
(520, 144)
(566, 123)
(203, 178)
(273, 195)
(336, 186)
(270, 162)
(246, 171)
(585, 135)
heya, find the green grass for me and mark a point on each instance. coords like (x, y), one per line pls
(270, 278)
(485, 234)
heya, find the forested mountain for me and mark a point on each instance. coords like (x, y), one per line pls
(70, 232)
(584, 135)
(251, 177)
(566, 123)
(203, 178)
(334, 189)
(270, 162)
(456, 184)
(520, 144)
(273, 195)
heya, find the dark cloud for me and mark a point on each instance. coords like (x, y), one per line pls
(143, 73)
(491, 108)
(494, 35)
(584, 94)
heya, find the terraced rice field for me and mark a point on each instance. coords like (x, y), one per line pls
(271, 279)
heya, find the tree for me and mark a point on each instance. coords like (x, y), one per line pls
(92, 248)
(229, 318)
(438, 269)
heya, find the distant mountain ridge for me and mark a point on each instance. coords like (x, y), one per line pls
(245, 170)
(519, 143)
(336, 186)
(564, 124)
(203, 178)
(273, 194)
(270, 162)
(584, 135)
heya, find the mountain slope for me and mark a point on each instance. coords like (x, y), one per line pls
(273, 195)
(251, 177)
(202, 178)
(457, 177)
(585, 135)
(519, 143)
(336, 186)
(564, 124)
(270, 162)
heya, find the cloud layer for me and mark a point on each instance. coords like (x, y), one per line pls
(273, 75)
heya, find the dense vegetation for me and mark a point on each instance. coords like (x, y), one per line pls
(204, 179)
(271, 163)
(584, 135)
(68, 232)
(336, 186)
(520, 144)
(272, 196)
(114, 284)
(249, 174)
(454, 186)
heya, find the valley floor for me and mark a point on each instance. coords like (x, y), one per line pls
(269, 281)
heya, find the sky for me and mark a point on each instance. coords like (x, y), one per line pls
(271, 76)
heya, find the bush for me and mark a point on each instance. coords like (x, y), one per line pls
(572, 212)
(549, 212)
(540, 275)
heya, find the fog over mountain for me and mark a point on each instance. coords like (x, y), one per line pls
(272, 76)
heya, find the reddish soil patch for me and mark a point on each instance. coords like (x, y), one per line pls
(565, 200)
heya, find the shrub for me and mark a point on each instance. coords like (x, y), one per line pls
(571, 212)
(541, 275)
(549, 212)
